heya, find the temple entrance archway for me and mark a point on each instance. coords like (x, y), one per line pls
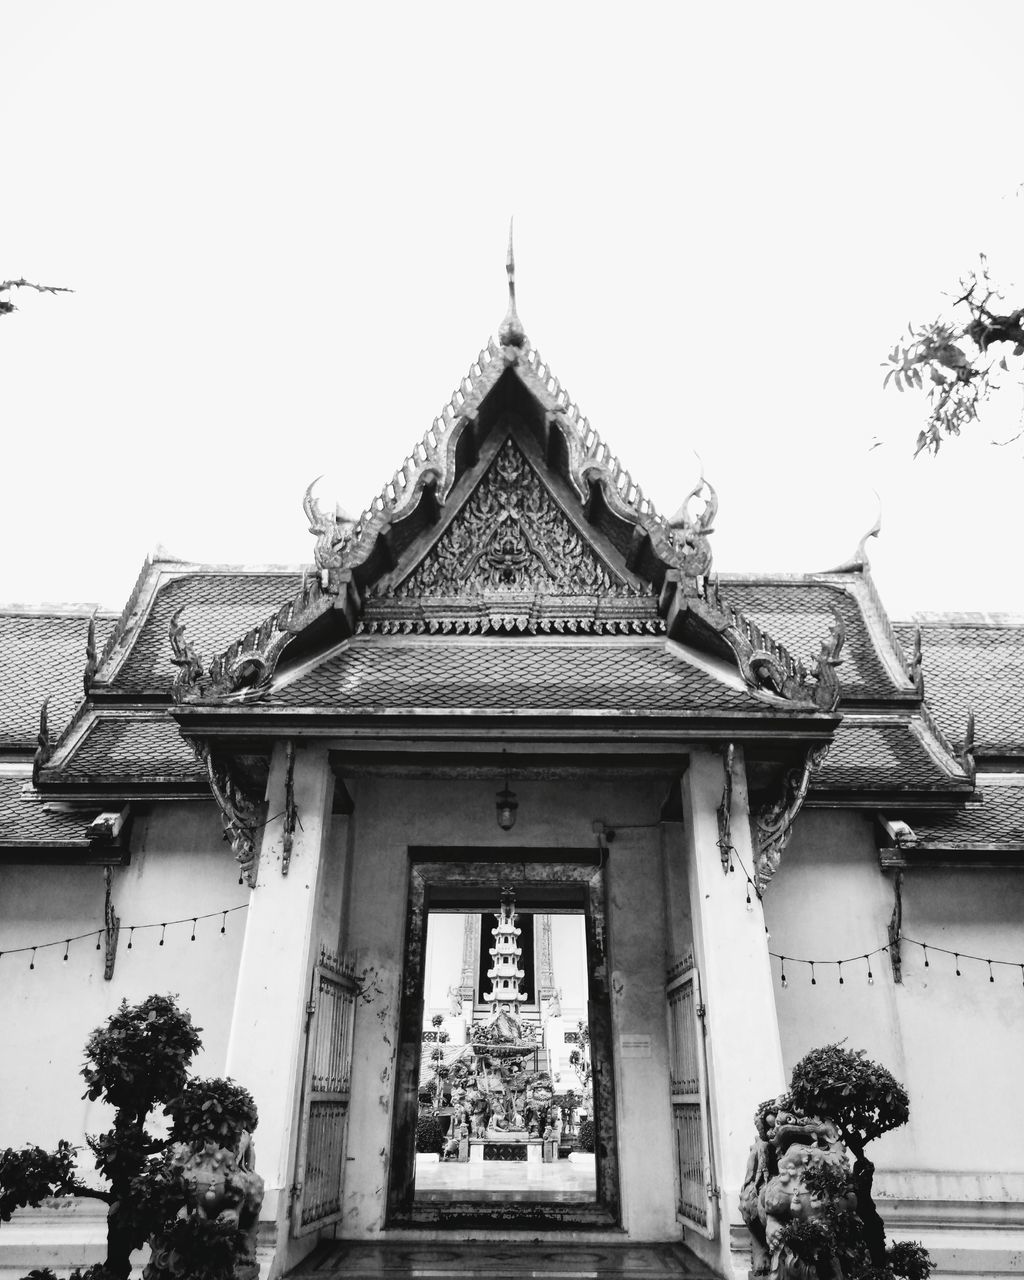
(538, 883)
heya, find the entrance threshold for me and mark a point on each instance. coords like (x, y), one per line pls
(340, 1260)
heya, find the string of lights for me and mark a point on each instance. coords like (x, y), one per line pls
(866, 957)
(98, 934)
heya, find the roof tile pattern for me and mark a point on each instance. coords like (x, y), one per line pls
(622, 675)
(218, 608)
(25, 821)
(42, 655)
(122, 750)
(999, 819)
(878, 757)
(979, 666)
(799, 615)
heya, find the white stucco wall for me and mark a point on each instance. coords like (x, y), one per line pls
(392, 814)
(955, 1043)
(180, 867)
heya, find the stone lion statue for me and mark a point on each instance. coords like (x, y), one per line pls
(798, 1167)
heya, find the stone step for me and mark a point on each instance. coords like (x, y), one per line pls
(341, 1260)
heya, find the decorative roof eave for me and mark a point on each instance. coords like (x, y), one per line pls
(965, 855)
(695, 610)
(244, 670)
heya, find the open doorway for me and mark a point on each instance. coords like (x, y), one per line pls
(504, 1108)
(504, 1091)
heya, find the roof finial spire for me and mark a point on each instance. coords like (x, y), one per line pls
(511, 333)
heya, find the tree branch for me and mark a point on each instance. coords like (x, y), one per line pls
(6, 306)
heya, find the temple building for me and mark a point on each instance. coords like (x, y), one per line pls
(511, 795)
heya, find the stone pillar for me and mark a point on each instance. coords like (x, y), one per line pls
(268, 1025)
(744, 1049)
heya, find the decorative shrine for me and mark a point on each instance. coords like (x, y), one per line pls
(501, 1099)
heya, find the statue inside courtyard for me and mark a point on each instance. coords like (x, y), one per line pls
(493, 1089)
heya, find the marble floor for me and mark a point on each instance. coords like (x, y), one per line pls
(559, 1181)
(501, 1261)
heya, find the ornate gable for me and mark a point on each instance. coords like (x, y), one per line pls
(511, 515)
(511, 560)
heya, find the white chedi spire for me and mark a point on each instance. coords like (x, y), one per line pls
(505, 973)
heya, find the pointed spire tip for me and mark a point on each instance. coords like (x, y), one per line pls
(511, 333)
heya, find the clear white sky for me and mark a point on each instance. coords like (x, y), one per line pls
(285, 225)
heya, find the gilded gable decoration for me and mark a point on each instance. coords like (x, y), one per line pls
(511, 560)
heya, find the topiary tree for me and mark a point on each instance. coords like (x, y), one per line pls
(138, 1061)
(585, 1138)
(864, 1100)
(429, 1135)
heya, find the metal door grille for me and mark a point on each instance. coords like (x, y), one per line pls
(321, 1155)
(687, 1073)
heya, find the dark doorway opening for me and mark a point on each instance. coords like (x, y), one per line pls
(461, 882)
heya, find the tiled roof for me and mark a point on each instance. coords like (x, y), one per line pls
(974, 665)
(24, 819)
(118, 749)
(42, 654)
(998, 819)
(872, 756)
(219, 606)
(799, 615)
(591, 674)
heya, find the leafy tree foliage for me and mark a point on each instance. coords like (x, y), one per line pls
(138, 1061)
(957, 361)
(865, 1101)
(212, 1110)
(429, 1135)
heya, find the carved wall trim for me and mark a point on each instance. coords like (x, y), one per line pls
(44, 747)
(774, 822)
(291, 814)
(111, 925)
(240, 813)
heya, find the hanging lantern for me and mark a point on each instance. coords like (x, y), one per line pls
(506, 806)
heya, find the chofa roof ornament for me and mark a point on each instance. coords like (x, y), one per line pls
(333, 533)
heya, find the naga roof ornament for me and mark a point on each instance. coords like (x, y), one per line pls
(244, 670)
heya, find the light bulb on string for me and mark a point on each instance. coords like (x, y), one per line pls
(98, 936)
(194, 919)
(871, 976)
(925, 949)
(163, 930)
(131, 934)
(32, 962)
(841, 980)
(67, 948)
(991, 975)
(957, 958)
(814, 980)
(785, 980)
(224, 922)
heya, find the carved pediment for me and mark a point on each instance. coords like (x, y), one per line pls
(511, 559)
